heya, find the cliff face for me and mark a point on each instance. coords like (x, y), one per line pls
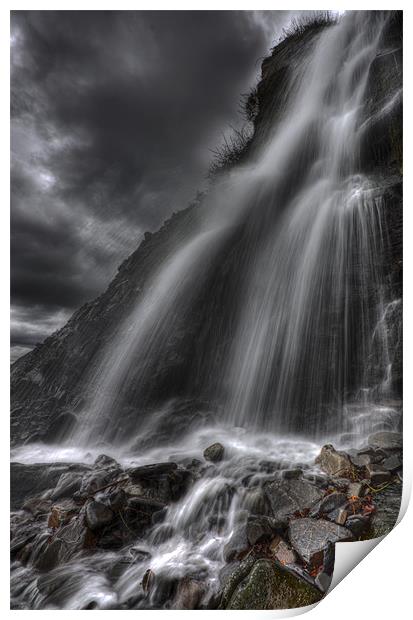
(48, 384)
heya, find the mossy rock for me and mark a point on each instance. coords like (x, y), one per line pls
(269, 586)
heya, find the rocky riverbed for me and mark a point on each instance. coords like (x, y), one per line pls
(227, 529)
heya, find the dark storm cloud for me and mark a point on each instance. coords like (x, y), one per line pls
(113, 115)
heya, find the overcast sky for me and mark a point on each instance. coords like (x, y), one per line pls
(113, 116)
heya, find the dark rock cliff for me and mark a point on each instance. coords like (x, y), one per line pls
(47, 384)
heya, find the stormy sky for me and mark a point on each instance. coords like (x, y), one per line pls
(113, 118)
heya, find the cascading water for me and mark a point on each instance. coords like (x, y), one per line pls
(310, 262)
(303, 224)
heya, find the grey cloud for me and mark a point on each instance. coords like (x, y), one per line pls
(113, 115)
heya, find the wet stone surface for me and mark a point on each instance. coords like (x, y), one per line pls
(240, 533)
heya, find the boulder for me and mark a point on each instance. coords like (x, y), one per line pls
(311, 537)
(51, 551)
(269, 586)
(67, 485)
(339, 517)
(360, 460)
(377, 474)
(357, 524)
(386, 440)
(291, 474)
(104, 462)
(148, 472)
(115, 500)
(188, 594)
(237, 545)
(328, 503)
(62, 513)
(98, 515)
(287, 497)
(320, 481)
(392, 463)
(214, 453)
(323, 581)
(334, 462)
(356, 489)
(145, 505)
(95, 480)
(258, 529)
(281, 551)
(164, 482)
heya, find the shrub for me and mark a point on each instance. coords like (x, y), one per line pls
(231, 149)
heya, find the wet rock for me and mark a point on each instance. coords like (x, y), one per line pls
(179, 483)
(357, 524)
(62, 514)
(98, 515)
(214, 453)
(310, 537)
(341, 484)
(291, 474)
(193, 465)
(258, 529)
(356, 489)
(287, 497)
(299, 572)
(145, 505)
(115, 536)
(103, 462)
(139, 554)
(268, 586)
(323, 581)
(329, 559)
(148, 580)
(96, 480)
(334, 462)
(373, 455)
(159, 515)
(162, 481)
(322, 482)
(67, 485)
(22, 537)
(360, 460)
(377, 474)
(51, 551)
(392, 463)
(115, 500)
(231, 575)
(255, 501)
(281, 551)
(386, 440)
(387, 507)
(340, 518)
(188, 594)
(147, 472)
(328, 503)
(32, 480)
(37, 506)
(237, 545)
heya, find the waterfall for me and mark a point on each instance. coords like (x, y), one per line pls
(310, 260)
(265, 323)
